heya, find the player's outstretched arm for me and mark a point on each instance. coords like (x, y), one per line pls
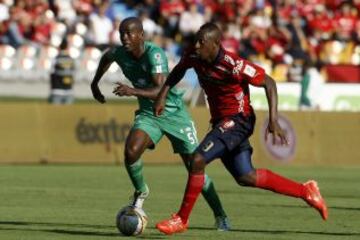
(103, 66)
(123, 90)
(272, 98)
(174, 77)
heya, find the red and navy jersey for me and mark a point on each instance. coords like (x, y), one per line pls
(225, 82)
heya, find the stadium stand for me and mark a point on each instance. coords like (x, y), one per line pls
(278, 35)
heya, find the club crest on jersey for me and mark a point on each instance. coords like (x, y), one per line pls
(249, 70)
(226, 125)
(157, 57)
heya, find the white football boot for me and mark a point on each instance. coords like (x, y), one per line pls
(139, 197)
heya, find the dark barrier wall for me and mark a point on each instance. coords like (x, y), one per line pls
(90, 133)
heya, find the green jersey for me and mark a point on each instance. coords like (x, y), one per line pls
(140, 73)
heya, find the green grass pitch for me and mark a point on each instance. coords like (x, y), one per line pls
(80, 202)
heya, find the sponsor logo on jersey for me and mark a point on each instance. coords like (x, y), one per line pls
(283, 153)
(249, 70)
(239, 65)
(229, 59)
(158, 69)
(240, 98)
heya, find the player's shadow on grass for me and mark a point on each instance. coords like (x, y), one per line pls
(56, 228)
(330, 207)
(281, 231)
(101, 234)
(14, 226)
(305, 206)
(23, 223)
(346, 208)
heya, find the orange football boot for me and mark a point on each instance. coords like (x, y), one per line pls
(172, 225)
(314, 198)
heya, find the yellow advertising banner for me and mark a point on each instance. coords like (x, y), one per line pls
(94, 133)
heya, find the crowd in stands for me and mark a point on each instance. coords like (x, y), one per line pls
(280, 35)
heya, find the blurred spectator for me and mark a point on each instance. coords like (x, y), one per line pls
(356, 34)
(100, 27)
(149, 25)
(260, 19)
(311, 86)
(278, 43)
(298, 43)
(65, 11)
(170, 11)
(4, 11)
(62, 77)
(229, 42)
(121, 9)
(296, 70)
(42, 27)
(345, 21)
(83, 7)
(11, 33)
(208, 13)
(320, 22)
(115, 35)
(277, 34)
(298, 50)
(190, 21)
(152, 7)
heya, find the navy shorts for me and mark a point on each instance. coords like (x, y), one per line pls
(227, 140)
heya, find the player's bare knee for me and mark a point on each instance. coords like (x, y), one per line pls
(197, 164)
(247, 180)
(132, 153)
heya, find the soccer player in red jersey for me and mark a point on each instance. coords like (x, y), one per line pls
(225, 77)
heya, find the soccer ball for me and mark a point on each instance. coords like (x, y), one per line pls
(131, 221)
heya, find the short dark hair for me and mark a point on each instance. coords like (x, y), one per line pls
(133, 20)
(212, 30)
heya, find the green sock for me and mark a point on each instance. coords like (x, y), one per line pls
(136, 175)
(212, 198)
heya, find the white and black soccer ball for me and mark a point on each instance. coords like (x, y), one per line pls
(131, 221)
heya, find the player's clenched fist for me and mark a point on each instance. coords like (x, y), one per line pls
(159, 106)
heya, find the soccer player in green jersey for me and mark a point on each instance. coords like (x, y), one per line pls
(145, 65)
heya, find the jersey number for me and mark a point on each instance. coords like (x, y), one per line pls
(191, 137)
(190, 133)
